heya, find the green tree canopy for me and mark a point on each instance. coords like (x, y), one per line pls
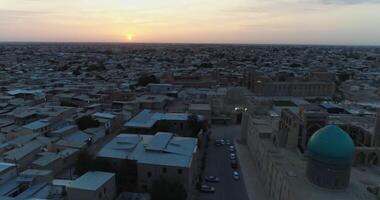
(163, 127)
(146, 79)
(126, 171)
(86, 122)
(83, 164)
(196, 124)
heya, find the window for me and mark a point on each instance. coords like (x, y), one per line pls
(179, 171)
(164, 170)
(105, 190)
(100, 195)
(149, 174)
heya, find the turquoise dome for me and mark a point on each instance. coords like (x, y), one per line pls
(331, 143)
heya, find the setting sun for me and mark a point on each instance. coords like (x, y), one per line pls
(129, 37)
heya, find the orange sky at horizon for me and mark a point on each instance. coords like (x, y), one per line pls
(191, 21)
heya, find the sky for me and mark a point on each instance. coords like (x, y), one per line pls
(342, 22)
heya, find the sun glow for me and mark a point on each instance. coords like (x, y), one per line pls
(129, 36)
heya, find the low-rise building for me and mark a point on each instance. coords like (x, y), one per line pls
(111, 122)
(149, 122)
(155, 156)
(93, 185)
(201, 109)
(41, 126)
(153, 102)
(24, 155)
(162, 88)
(48, 161)
(7, 171)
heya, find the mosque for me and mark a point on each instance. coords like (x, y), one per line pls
(302, 155)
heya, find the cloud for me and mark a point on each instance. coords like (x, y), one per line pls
(21, 13)
(349, 2)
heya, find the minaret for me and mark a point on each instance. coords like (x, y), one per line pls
(376, 131)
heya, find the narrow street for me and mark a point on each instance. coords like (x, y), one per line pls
(218, 164)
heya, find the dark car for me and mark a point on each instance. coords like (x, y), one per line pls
(217, 143)
(234, 164)
(207, 188)
(236, 175)
(212, 179)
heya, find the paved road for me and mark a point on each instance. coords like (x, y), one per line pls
(218, 164)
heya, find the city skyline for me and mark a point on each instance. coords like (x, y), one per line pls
(339, 22)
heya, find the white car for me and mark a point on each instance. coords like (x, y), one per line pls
(236, 175)
(232, 156)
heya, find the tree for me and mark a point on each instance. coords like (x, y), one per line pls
(145, 80)
(126, 174)
(295, 65)
(68, 104)
(343, 76)
(83, 164)
(77, 72)
(196, 125)
(164, 189)
(96, 67)
(63, 68)
(125, 171)
(86, 122)
(163, 127)
(206, 65)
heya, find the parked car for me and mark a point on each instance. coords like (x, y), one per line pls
(234, 164)
(222, 142)
(231, 149)
(217, 143)
(232, 156)
(228, 142)
(207, 188)
(212, 179)
(236, 175)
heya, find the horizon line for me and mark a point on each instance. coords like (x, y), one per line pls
(187, 43)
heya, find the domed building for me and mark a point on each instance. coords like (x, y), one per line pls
(330, 153)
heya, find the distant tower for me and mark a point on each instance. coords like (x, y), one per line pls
(330, 152)
(376, 133)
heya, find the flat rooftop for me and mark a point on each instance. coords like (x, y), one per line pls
(160, 149)
(19, 153)
(46, 159)
(103, 115)
(91, 180)
(37, 124)
(5, 166)
(148, 118)
(205, 107)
